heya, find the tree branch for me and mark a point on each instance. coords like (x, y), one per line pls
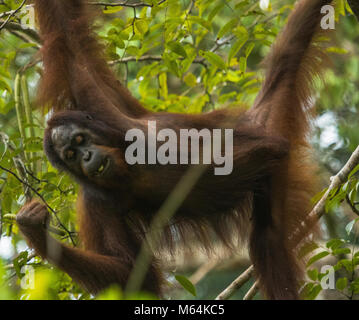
(125, 4)
(150, 58)
(236, 284)
(314, 215)
(12, 13)
(336, 181)
(14, 26)
(252, 291)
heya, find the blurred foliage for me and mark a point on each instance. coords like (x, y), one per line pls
(181, 56)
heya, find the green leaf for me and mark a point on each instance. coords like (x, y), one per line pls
(317, 257)
(190, 80)
(354, 286)
(340, 7)
(186, 284)
(4, 85)
(354, 171)
(215, 11)
(306, 290)
(313, 274)
(341, 251)
(172, 66)
(335, 243)
(310, 291)
(345, 186)
(318, 196)
(113, 292)
(177, 48)
(243, 64)
(236, 47)
(227, 27)
(352, 195)
(163, 84)
(317, 288)
(249, 49)
(213, 59)
(201, 21)
(10, 216)
(132, 50)
(109, 10)
(19, 262)
(307, 248)
(7, 200)
(141, 26)
(346, 263)
(350, 225)
(337, 50)
(342, 283)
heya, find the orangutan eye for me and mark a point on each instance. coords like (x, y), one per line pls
(70, 154)
(79, 139)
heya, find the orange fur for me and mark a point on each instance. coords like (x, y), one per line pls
(272, 181)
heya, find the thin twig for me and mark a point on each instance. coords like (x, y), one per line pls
(125, 4)
(252, 291)
(150, 58)
(236, 284)
(11, 14)
(336, 181)
(7, 13)
(43, 200)
(11, 25)
(24, 38)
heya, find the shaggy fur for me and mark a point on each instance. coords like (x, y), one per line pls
(267, 194)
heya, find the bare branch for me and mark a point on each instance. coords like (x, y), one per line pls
(150, 58)
(12, 13)
(236, 284)
(24, 37)
(336, 181)
(14, 26)
(125, 4)
(252, 291)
